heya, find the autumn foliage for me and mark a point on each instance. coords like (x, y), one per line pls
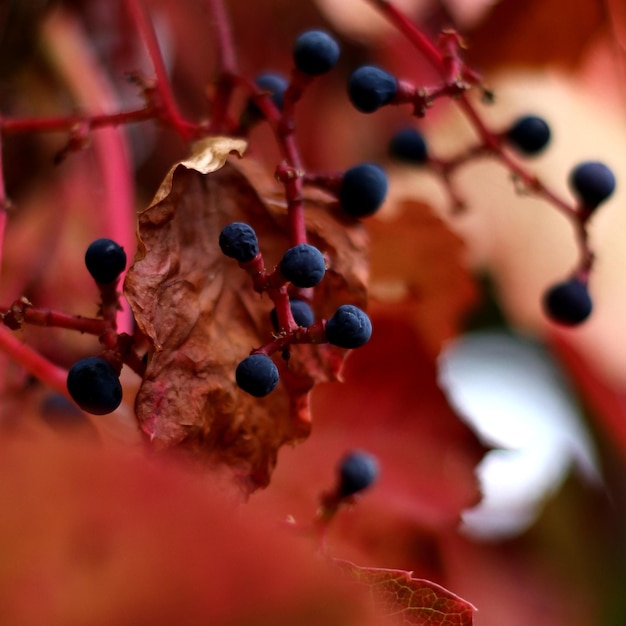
(196, 503)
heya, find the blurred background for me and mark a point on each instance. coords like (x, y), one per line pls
(502, 437)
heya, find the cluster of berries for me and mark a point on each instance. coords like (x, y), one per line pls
(303, 266)
(362, 188)
(93, 382)
(567, 302)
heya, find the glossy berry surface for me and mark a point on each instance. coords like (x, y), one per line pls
(592, 182)
(301, 311)
(238, 241)
(349, 327)
(363, 190)
(303, 265)
(105, 260)
(315, 52)
(408, 145)
(257, 375)
(275, 85)
(370, 88)
(357, 471)
(568, 302)
(529, 134)
(94, 385)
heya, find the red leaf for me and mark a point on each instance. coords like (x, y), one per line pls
(512, 30)
(389, 405)
(201, 316)
(101, 536)
(426, 275)
(414, 601)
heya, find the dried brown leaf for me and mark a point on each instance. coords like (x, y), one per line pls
(201, 316)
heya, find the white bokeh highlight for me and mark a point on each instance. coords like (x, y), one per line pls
(512, 394)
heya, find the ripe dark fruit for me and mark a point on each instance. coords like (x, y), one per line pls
(315, 52)
(592, 182)
(370, 88)
(408, 145)
(303, 265)
(257, 375)
(275, 85)
(363, 190)
(105, 260)
(568, 302)
(301, 311)
(529, 134)
(94, 385)
(238, 241)
(357, 471)
(349, 327)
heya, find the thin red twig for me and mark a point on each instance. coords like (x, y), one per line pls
(491, 142)
(22, 312)
(225, 83)
(14, 126)
(146, 31)
(33, 362)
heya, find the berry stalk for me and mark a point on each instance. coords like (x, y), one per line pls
(22, 312)
(145, 29)
(71, 53)
(33, 362)
(225, 84)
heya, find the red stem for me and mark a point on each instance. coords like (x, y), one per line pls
(20, 312)
(228, 67)
(71, 53)
(283, 127)
(15, 126)
(225, 45)
(315, 333)
(413, 34)
(146, 31)
(33, 362)
(3, 202)
(489, 139)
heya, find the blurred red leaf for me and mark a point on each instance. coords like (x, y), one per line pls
(199, 312)
(607, 400)
(389, 405)
(535, 32)
(99, 536)
(521, 583)
(417, 264)
(414, 601)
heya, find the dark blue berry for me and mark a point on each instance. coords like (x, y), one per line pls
(349, 327)
(238, 241)
(363, 190)
(94, 385)
(529, 134)
(593, 183)
(357, 471)
(315, 52)
(370, 88)
(568, 302)
(301, 311)
(257, 375)
(105, 260)
(303, 265)
(275, 85)
(409, 145)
